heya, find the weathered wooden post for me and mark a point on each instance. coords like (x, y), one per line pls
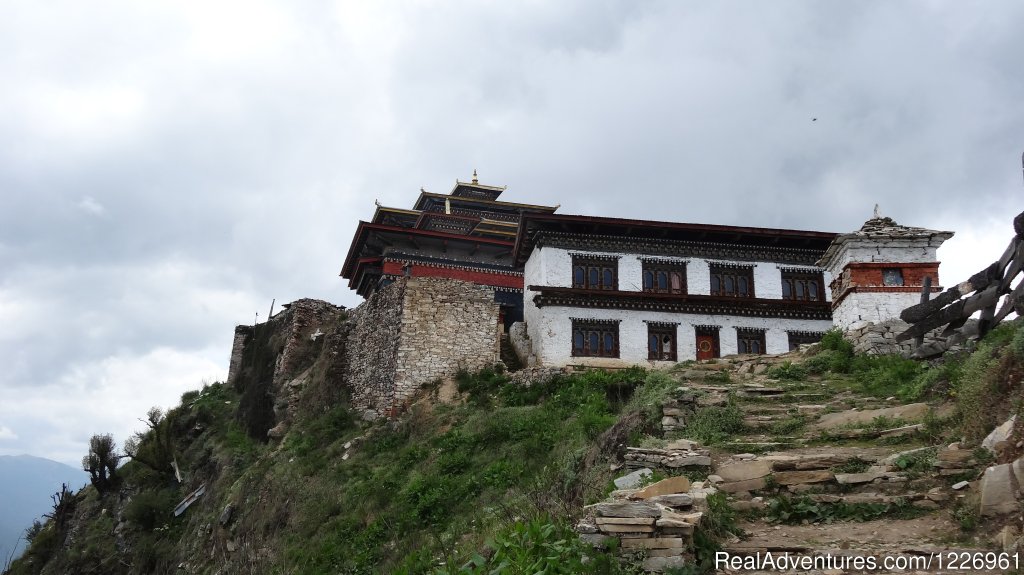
(926, 294)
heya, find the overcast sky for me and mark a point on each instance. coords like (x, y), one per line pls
(167, 168)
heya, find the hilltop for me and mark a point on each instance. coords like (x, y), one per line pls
(817, 451)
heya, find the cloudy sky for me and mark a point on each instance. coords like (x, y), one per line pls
(167, 168)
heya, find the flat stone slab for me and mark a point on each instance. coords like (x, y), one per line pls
(689, 461)
(679, 484)
(739, 486)
(653, 543)
(801, 477)
(999, 434)
(743, 471)
(626, 509)
(910, 412)
(675, 500)
(855, 478)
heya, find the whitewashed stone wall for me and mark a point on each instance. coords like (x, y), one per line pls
(902, 250)
(858, 309)
(549, 329)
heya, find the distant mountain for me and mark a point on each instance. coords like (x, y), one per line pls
(26, 484)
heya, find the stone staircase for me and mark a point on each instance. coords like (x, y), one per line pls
(508, 354)
(822, 471)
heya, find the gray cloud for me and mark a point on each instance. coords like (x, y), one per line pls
(166, 169)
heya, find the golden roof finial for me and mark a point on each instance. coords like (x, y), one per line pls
(475, 181)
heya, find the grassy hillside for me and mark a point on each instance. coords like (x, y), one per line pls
(479, 476)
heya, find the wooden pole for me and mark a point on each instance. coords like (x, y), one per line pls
(926, 294)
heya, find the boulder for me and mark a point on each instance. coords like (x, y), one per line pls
(999, 434)
(998, 491)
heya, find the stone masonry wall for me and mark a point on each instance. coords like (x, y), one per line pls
(447, 325)
(880, 338)
(372, 349)
(242, 333)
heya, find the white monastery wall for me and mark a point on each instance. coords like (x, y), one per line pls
(895, 251)
(549, 330)
(855, 307)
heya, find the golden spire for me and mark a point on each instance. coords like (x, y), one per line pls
(475, 181)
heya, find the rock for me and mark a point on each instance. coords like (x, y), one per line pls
(227, 515)
(799, 477)
(999, 434)
(596, 540)
(678, 484)
(653, 543)
(743, 471)
(682, 445)
(961, 485)
(671, 411)
(231, 546)
(925, 504)
(715, 479)
(674, 500)
(911, 412)
(738, 486)
(1007, 538)
(954, 456)
(660, 564)
(626, 509)
(752, 505)
(626, 524)
(998, 491)
(669, 421)
(633, 480)
(584, 527)
(855, 478)
(690, 461)
(745, 456)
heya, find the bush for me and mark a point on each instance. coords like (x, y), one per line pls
(537, 546)
(787, 371)
(152, 508)
(887, 375)
(712, 425)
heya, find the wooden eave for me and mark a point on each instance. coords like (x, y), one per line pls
(364, 229)
(381, 210)
(531, 224)
(680, 303)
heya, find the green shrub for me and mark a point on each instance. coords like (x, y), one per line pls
(833, 340)
(886, 375)
(828, 360)
(536, 546)
(150, 509)
(712, 425)
(787, 371)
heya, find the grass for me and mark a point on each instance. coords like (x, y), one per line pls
(715, 425)
(795, 511)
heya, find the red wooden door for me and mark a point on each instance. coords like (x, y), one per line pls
(705, 347)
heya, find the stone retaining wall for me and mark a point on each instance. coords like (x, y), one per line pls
(880, 338)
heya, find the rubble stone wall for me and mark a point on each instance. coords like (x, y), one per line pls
(880, 338)
(372, 349)
(446, 325)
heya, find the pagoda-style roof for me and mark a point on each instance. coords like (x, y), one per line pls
(646, 236)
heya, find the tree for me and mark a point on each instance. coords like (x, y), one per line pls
(154, 447)
(101, 462)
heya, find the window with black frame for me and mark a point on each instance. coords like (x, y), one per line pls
(732, 281)
(803, 285)
(664, 277)
(661, 342)
(595, 338)
(750, 341)
(595, 273)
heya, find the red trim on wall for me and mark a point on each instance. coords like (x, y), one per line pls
(474, 276)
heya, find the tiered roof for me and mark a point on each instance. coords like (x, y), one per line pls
(466, 229)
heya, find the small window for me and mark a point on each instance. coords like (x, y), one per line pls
(892, 277)
(802, 286)
(661, 342)
(732, 281)
(595, 273)
(798, 338)
(592, 338)
(750, 341)
(664, 277)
